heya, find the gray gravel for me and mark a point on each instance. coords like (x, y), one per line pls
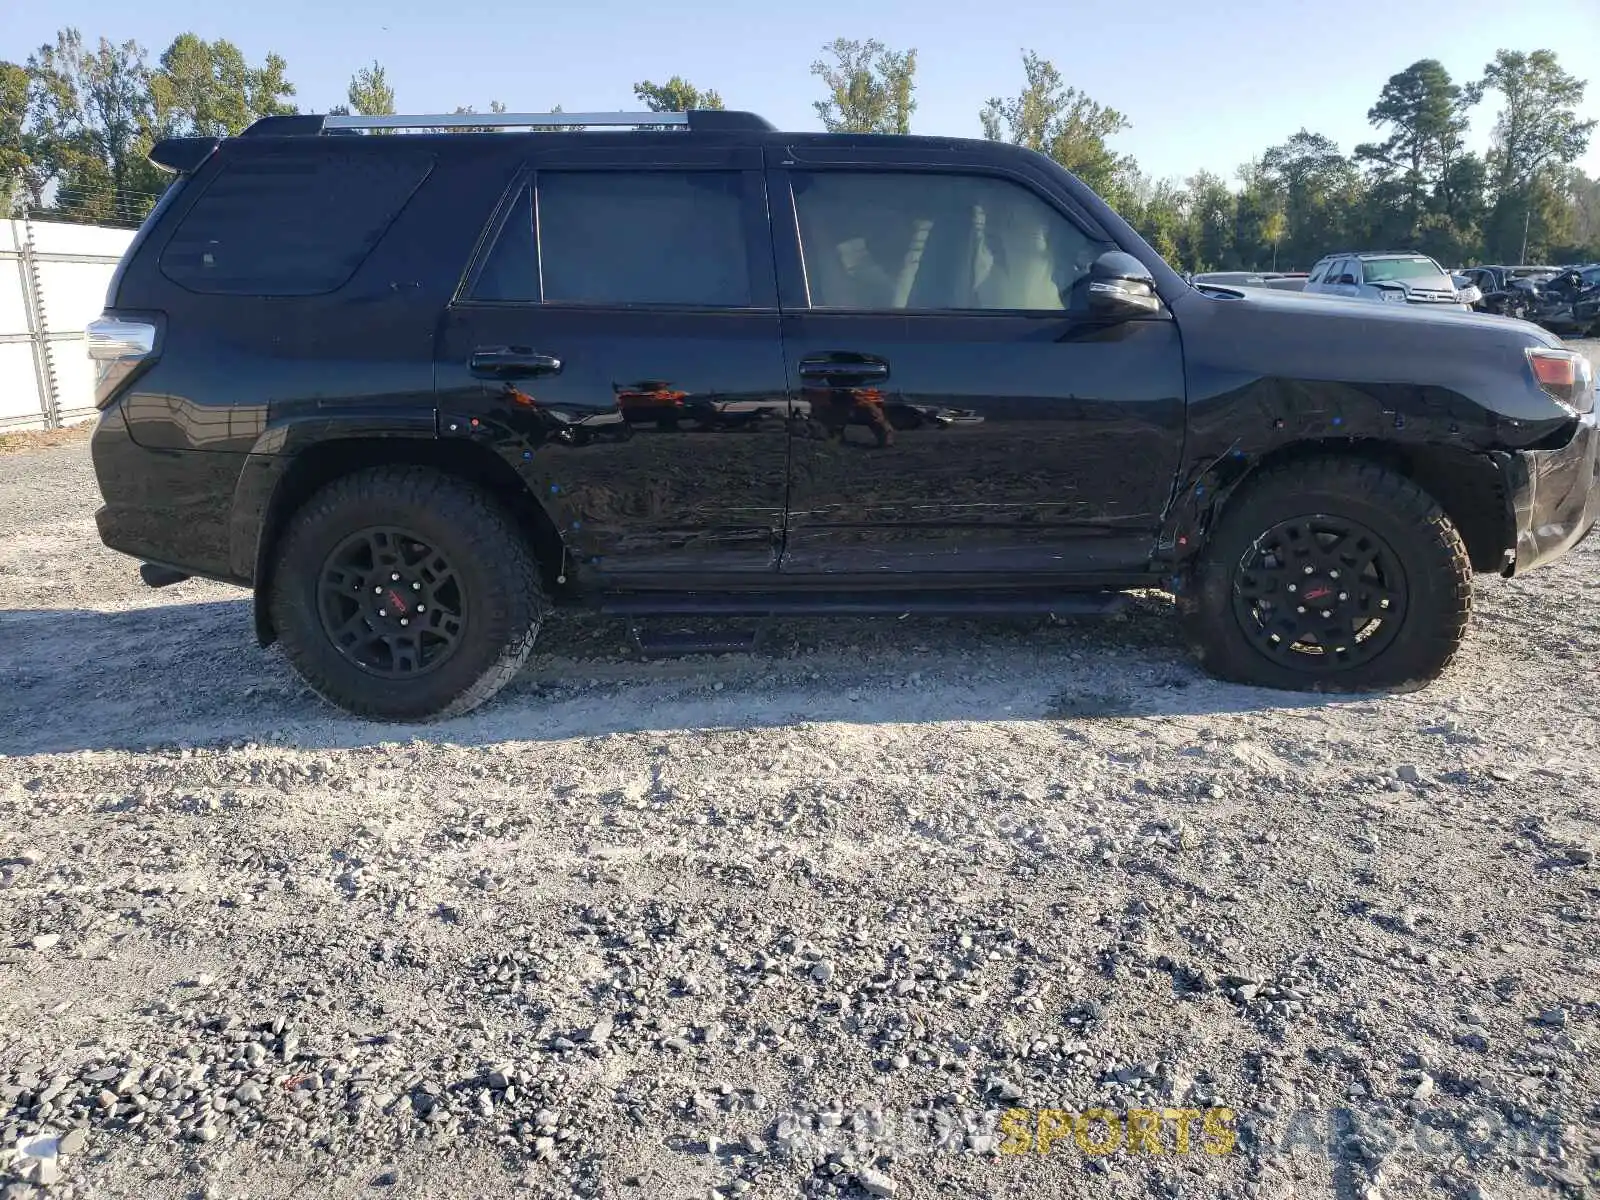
(796, 924)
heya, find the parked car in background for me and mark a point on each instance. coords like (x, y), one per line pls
(1278, 281)
(1565, 300)
(1496, 285)
(1392, 277)
(1491, 279)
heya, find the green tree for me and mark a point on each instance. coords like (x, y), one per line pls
(15, 160)
(1064, 123)
(89, 113)
(1161, 214)
(1211, 218)
(1320, 192)
(1273, 229)
(1536, 132)
(675, 95)
(1258, 201)
(871, 89)
(207, 89)
(369, 93)
(1426, 114)
(1585, 198)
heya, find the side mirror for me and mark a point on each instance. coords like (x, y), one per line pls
(1121, 287)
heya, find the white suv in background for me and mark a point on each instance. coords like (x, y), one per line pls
(1396, 278)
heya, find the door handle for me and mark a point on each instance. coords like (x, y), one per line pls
(845, 368)
(511, 362)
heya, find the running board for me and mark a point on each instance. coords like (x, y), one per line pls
(865, 604)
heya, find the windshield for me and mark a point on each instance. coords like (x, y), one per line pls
(1381, 270)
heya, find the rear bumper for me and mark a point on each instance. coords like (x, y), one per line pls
(1555, 496)
(168, 507)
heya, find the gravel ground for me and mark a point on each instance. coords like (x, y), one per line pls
(802, 923)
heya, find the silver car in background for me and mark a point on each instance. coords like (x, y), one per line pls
(1387, 277)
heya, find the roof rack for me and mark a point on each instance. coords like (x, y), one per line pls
(1369, 253)
(699, 120)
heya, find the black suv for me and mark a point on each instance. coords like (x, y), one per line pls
(417, 387)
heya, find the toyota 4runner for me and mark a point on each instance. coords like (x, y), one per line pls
(418, 390)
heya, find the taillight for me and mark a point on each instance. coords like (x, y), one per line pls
(117, 348)
(1565, 375)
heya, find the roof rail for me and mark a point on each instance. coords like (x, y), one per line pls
(701, 120)
(506, 120)
(1368, 253)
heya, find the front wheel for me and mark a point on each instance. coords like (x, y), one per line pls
(402, 593)
(1331, 575)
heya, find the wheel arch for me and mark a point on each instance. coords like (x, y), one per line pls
(1469, 486)
(318, 465)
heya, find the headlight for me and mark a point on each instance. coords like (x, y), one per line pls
(1469, 294)
(1393, 295)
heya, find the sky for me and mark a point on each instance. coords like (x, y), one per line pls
(1205, 84)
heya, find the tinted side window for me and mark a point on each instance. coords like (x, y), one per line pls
(643, 237)
(511, 270)
(291, 223)
(917, 241)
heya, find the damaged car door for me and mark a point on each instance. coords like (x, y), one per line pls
(953, 412)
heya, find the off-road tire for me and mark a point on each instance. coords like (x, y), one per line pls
(1438, 575)
(503, 598)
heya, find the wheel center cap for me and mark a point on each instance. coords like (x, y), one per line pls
(1319, 591)
(1321, 596)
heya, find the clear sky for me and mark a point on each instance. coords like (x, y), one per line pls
(1205, 83)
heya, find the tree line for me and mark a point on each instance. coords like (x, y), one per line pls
(77, 121)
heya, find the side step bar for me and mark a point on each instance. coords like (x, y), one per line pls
(865, 604)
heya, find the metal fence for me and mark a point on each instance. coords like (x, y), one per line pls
(53, 281)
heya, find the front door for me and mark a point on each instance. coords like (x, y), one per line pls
(622, 326)
(953, 412)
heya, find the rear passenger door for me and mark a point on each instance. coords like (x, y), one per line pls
(622, 320)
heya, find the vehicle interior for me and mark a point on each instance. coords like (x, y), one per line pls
(958, 243)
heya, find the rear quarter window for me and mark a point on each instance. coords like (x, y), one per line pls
(291, 223)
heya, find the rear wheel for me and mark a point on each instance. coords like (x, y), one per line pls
(406, 594)
(1331, 575)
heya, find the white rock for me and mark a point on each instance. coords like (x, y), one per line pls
(875, 1182)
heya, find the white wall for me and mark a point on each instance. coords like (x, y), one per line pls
(53, 280)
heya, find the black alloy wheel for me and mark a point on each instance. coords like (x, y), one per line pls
(405, 593)
(390, 602)
(1322, 593)
(1332, 574)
